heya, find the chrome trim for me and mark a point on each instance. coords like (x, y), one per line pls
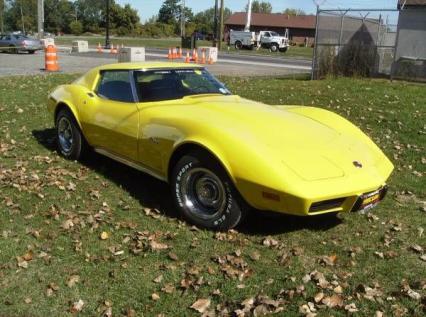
(132, 164)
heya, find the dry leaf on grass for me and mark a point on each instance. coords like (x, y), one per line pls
(201, 305)
(77, 306)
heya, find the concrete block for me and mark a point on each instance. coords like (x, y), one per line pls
(210, 52)
(80, 47)
(48, 41)
(131, 54)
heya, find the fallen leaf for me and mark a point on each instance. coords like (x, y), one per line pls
(416, 248)
(72, 280)
(155, 296)
(104, 235)
(158, 279)
(351, 308)
(173, 256)
(333, 301)
(157, 245)
(77, 306)
(318, 297)
(201, 305)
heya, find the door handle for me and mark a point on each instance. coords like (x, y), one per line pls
(90, 94)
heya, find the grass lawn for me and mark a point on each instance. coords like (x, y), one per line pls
(294, 51)
(96, 237)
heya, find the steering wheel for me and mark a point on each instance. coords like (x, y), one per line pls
(201, 88)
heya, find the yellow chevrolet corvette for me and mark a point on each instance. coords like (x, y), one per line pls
(220, 153)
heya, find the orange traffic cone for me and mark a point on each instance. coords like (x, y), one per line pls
(99, 48)
(51, 59)
(210, 61)
(187, 59)
(195, 57)
(170, 56)
(180, 52)
(203, 56)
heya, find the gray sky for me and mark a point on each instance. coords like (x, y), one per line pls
(148, 8)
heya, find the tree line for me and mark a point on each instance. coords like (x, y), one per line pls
(88, 16)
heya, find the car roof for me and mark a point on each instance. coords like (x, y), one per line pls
(90, 78)
(147, 66)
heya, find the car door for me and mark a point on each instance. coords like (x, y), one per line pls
(110, 117)
(5, 41)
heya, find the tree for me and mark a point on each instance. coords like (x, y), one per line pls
(58, 15)
(260, 7)
(169, 11)
(291, 11)
(204, 21)
(76, 27)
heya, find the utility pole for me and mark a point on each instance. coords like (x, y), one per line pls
(216, 9)
(182, 19)
(40, 19)
(2, 16)
(222, 13)
(22, 19)
(107, 41)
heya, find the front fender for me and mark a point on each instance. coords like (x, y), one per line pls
(65, 95)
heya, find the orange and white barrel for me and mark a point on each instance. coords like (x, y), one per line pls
(51, 59)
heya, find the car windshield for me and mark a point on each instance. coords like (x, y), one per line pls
(158, 85)
(274, 34)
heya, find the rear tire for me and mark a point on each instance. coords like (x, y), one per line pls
(31, 52)
(13, 50)
(238, 45)
(204, 193)
(70, 141)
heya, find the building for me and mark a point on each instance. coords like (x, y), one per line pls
(300, 27)
(410, 52)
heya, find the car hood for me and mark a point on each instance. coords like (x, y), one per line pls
(311, 145)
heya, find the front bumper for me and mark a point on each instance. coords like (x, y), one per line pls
(267, 199)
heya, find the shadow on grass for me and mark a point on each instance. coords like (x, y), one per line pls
(153, 193)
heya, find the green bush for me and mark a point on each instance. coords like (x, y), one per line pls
(76, 27)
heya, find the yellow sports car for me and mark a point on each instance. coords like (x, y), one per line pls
(221, 153)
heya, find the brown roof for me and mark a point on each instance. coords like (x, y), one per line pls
(411, 3)
(274, 20)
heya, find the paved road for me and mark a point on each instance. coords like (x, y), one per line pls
(290, 63)
(229, 64)
(300, 65)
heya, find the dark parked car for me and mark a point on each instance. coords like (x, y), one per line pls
(15, 43)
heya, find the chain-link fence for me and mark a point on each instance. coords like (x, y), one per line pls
(355, 43)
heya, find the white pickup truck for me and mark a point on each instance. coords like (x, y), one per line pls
(266, 39)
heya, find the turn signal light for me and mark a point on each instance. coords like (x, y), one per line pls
(271, 196)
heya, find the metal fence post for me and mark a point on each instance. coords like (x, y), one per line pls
(314, 57)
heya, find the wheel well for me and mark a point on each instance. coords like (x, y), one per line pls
(193, 149)
(59, 107)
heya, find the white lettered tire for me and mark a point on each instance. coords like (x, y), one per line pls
(204, 193)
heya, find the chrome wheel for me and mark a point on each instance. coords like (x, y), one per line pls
(202, 193)
(65, 134)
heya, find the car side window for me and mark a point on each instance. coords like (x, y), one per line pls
(7, 38)
(115, 85)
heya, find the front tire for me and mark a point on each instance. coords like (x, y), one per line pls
(204, 193)
(274, 47)
(70, 141)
